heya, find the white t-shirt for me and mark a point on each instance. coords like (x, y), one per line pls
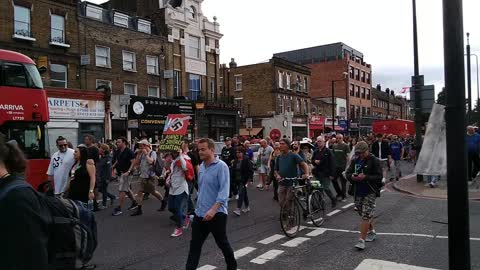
(60, 165)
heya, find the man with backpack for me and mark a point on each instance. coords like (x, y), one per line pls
(365, 174)
(146, 165)
(324, 167)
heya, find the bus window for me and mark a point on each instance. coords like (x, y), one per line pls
(33, 77)
(30, 137)
(14, 75)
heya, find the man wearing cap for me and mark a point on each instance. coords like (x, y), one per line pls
(324, 169)
(365, 174)
(147, 174)
(341, 150)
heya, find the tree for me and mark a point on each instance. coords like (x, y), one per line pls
(441, 99)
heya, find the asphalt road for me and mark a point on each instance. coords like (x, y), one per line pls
(411, 231)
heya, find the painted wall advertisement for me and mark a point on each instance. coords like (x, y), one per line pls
(76, 108)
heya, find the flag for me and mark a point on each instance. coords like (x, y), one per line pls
(405, 90)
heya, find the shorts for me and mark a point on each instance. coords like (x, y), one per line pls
(148, 185)
(366, 206)
(124, 183)
(284, 194)
(263, 169)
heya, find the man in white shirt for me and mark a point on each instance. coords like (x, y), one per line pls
(178, 193)
(60, 165)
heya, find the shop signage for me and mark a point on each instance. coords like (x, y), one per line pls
(76, 108)
(275, 134)
(176, 127)
(249, 123)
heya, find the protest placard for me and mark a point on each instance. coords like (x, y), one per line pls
(176, 127)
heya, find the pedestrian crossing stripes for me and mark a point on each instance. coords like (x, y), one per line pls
(271, 239)
(267, 256)
(347, 206)
(207, 267)
(333, 213)
(295, 242)
(244, 251)
(369, 264)
(316, 232)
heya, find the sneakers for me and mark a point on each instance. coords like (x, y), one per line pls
(246, 210)
(186, 224)
(360, 244)
(133, 206)
(177, 232)
(259, 186)
(237, 212)
(236, 197)
(117, 211)
(102, 207)
(371, 235)
(138, 212)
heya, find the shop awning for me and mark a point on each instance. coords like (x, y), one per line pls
(253, 132)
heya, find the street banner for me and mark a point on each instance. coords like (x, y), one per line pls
(176, 127)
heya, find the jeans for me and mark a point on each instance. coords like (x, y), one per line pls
(243, 196)
(233, 188)
(191, 206)
(200, 231)
(475, 167)
(433, 179)
(105, 193)
(396, 172)
(325, 181)
(177, 204)
(340, 183)
(274, 180)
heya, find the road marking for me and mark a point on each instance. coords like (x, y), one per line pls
(316, 232)
(383, 190)
(271, 239)
(295, 242)
(311, 223)
(267, 256)
(369, 264)
(207, 267)
(244, 251)
(334, 212)
(441, 237)
(348, 205)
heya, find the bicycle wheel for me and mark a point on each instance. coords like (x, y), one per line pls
(316, 208)
(290, 218)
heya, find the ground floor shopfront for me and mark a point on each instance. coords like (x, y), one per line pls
(216, 121)
(74, 114)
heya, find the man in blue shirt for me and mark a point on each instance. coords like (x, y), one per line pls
(473, 143)
(396, 151)
(212, 206)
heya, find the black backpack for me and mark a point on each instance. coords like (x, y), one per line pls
(72, 229)
(158, 166)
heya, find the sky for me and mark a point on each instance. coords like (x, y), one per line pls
(381, 29)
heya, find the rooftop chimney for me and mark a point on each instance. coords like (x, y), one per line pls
(232, 63)
(379, 87)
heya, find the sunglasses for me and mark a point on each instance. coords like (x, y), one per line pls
(62, 145)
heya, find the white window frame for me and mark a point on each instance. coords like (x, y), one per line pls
(280, 79)
(281, 104)
(193, 51)
(298, 106)
(144, 26)
(135, 89)
(238, 82)
(191, 13)
(134, 61)
(239, 99)
(305, 84)
(66, 75)
(155, 67)
(157, 90)
(289, 79)
(94, 12)
(97, 83)
(299, 83)
(177, 83)
(108, 62)
(197, 92)
(120, 19)
(23, 33)
(212, 89)
(57, 39)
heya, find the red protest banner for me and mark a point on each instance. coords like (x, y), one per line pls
(176, 124)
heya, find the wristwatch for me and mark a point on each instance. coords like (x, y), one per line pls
(90, 191)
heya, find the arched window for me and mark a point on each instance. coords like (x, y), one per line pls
(191, 12)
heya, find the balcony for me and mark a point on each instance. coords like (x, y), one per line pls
(23, 34)
(59, 42)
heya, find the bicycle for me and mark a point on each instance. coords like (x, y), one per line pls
(312, 205)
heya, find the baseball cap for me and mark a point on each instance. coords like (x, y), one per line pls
(145, 142)
(361, 147)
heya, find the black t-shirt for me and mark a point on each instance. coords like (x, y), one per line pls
(123, 159)
(24, 228)
(93, 153)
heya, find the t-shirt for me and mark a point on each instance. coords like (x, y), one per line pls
(362, 189)
(146, 168)
(341, 151)
(286, 165)
(264, 154)
(60, 165)
(93, 153)
(250, 153)
(473, 142)
(124, 160)
(396, 150)
(228, 154)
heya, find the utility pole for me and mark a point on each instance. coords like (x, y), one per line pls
(457, 187)
(417, 84)
(469, 81)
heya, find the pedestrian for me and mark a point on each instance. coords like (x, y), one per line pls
(271, 167)
(123, 162)
(195, 160)
(306, 154)
(262, 160)
(324, 168)
(146, 164)
(341, 150)
(25, 230)
(396, 151)
(178, 193)
(60, 165)
(381, 150)
(167, 158)
(432, 180)
(473, 146)
(286, 166)
(365, 174)
(93, 151)
(242, 172)
(212, 207)
(82, 176)
(248, 150)
(227, 156)
(104, 174)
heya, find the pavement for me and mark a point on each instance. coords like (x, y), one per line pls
(412, 234)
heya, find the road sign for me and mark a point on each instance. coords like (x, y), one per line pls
(84, 59)
(427, 97)
(168, 74)
(249, 123)
(124, 100)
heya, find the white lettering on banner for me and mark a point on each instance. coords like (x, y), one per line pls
(76, 108)
(10, 107)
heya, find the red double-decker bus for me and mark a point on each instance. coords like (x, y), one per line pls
(24, 111)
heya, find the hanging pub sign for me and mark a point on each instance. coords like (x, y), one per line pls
(176, 127)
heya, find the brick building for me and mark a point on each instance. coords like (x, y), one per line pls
(345, 67)
(278, 89)
(385, 105)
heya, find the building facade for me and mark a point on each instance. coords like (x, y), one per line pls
(385, 105)
(278, 91)
(342, 68)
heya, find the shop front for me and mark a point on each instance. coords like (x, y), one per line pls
(147, 116)
(299, 127)
(317, 126)
(74, 118)
(217, 121)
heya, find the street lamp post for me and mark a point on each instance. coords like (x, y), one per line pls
(478, 86)
(345, 74)
(469, 81)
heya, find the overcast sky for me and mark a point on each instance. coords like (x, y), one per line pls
(381, 29)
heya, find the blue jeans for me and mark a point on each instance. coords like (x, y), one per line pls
(191, 206)
(177, 204)
(105, 193)
(433, 179)
(242, 196)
